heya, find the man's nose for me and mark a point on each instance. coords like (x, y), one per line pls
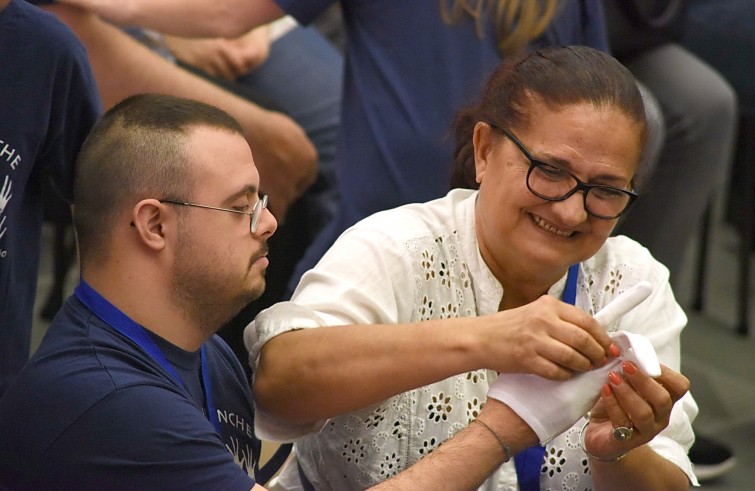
(267, 225)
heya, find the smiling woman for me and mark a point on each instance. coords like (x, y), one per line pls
(434, 299)
(553, 202)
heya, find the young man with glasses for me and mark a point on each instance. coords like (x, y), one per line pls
(131, 388)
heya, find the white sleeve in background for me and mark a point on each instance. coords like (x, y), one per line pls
(281, 27)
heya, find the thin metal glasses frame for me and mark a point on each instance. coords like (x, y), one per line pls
(254, 215)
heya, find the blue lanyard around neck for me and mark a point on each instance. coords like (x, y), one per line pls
(111, 315)
(570, 290)
(529, 462)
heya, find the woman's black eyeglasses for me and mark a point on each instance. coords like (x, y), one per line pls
(553, 183)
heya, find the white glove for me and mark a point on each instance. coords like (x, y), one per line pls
(551, 407)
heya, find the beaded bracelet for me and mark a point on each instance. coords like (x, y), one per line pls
(504, 447)
(582, 444)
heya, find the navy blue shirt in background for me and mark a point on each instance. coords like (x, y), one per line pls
(48, 104)
(407, 73)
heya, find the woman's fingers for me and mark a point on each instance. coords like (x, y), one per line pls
(571, 337)
(551, 339)
(562, 355)
(613, 409)
(674, 382)
(646, 402)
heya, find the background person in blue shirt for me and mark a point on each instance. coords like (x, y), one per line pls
(408, 67)
(48, 103)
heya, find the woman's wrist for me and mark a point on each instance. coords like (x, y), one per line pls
(504, 447)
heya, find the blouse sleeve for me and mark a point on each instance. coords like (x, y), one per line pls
(338, 291)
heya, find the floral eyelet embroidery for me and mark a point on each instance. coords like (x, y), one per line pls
(439, 408)
(473, 408)
(554, 460)
(384, 441)
(428, 446)
(427, 264)
(390, 465)
(354, 450)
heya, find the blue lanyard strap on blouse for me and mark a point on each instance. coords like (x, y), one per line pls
(529, 462)
(111, 315)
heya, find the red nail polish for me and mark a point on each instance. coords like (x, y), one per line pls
(614, 378)
(607, 390)
(615, 351)
(629, 368)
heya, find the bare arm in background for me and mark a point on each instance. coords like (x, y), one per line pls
(227, 58)
(200, 18)
(286, 159)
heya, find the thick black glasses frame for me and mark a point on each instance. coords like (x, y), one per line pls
(580, 186)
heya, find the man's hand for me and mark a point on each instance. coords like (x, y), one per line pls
(223, 58)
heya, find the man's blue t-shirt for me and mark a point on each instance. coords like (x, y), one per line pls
(92, 410)
(48, 103)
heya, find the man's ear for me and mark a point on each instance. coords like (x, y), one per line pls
(152, 223)
(482, 139)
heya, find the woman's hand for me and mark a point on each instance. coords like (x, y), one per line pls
(547, 337)
(633, 401)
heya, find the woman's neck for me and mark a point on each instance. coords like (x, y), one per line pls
(516, 296)
(519, 290)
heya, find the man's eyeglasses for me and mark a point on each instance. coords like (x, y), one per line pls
(254, 215)
(553, 183)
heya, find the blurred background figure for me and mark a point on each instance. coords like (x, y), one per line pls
(49, 103)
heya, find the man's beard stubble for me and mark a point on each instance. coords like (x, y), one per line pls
(196, 289)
